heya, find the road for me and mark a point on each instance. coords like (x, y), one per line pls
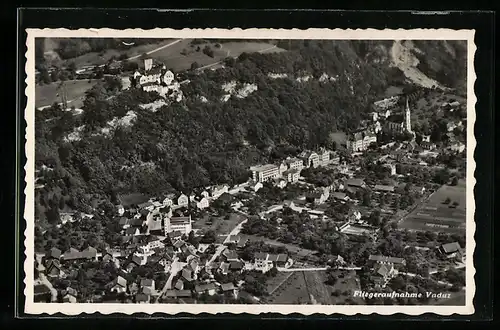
(222, 247)
(53, 291)
(155, 50)
(313, 269)
(174, 269)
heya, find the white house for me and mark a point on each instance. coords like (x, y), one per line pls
(202, 203)
(262, 262)
(182, 200)
(119, 285)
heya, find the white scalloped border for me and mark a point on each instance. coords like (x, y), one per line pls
(237, 33)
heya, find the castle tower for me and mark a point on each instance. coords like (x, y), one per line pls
(407, 122)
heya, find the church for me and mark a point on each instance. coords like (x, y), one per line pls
(399, 123)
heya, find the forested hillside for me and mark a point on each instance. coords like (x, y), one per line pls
(196, 143)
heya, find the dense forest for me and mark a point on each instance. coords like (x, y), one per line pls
(194, 143)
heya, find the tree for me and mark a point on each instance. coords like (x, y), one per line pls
(454, 181)
(195, 65)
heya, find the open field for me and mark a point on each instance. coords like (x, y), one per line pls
(220, 225)
(290, 247)
(46, 95)
(436, 216)
(95, 58)
(180, 56)
(309, 287)
(292, 292)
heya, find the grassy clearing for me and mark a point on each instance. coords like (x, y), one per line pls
(220, 225)
(103, 57)
(180, 56)
(435, 215)
(46, 95)
(293, 291)
(346, 284)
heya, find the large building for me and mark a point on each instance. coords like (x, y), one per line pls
(157, 79)
(294, 164)
(360, 140)
(180, 224)
(399, 123)
(310, 158)
(265, 173)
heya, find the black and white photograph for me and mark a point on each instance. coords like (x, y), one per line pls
(234, 171)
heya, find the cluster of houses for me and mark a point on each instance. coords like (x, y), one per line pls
(288, 171)
(384, 269)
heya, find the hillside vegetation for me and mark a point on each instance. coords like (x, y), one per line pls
(195, 143)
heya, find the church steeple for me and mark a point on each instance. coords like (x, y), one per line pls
(407, 122)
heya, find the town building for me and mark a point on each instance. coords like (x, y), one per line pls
(399, 123)
(310, 158)
(451, 250)
(182, 200)
(217, 191)
(264, 173)
(181, 224)
(324, 157)
(262, 262)
(280, 182)
(291, 175)
(360, 140)
(294, 164)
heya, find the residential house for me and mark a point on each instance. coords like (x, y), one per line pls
(262, 262)
(340, 196)
(224, 268)
(378, 259)
(451, 250)
(209, 288)
(310, 158)
(294, 164)
(282, 168)
(54, 253)
(319, 196)
(134, 262)
(291, 175)
(391, 167)
(383, 188)
(355, 183)
(133, 288)
(279, 260)
(201, 202)
(187, 275)
(280, 182)
(119, 285)
(217, 191)
(255, 186)
(132, 231)
(169, 200)
(142, 298)
(124, 222)
(229, 289)
(120, 210)
(178, 294)
(69, 298)
(182, 200)
(236, 266)
(263, 173)
(334, 158)
(53, 268)
(230, 255)
(148, 283)
(383, 273)
(324, 157)
(179, 285)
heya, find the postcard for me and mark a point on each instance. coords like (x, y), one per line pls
(319, 171)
